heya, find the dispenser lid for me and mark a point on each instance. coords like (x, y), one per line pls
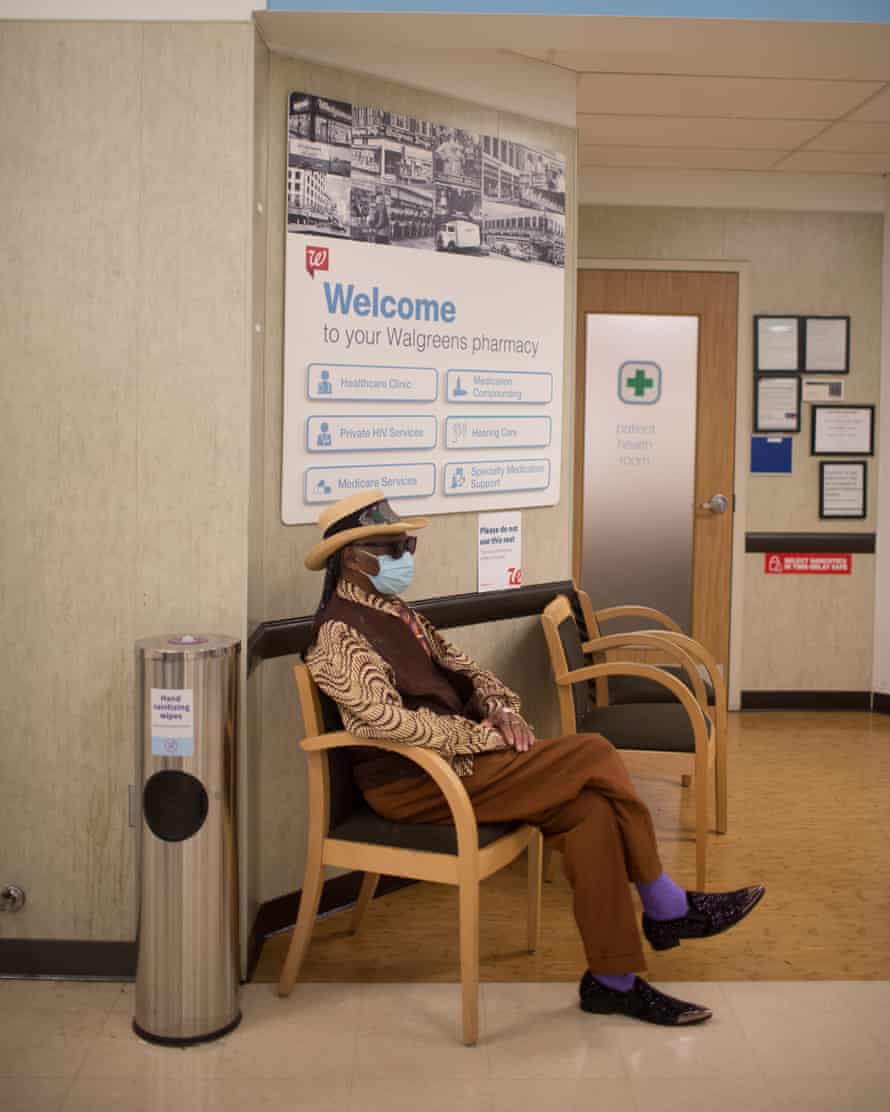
(188, 643)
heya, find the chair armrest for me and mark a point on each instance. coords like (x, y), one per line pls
(610, 612)
(702, 655)
(431, 762)
(653, 639)
(698, 719)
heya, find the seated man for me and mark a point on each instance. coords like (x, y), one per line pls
(393, 677)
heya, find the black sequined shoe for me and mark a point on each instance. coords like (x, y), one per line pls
(640, 1002)
(708, 914)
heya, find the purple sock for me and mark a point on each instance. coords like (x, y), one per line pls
(662, 899)
(620, 982)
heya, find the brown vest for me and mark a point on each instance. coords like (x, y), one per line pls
(418, 679)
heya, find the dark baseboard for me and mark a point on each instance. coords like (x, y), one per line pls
(863, 543)
(51, 957)
(281, 913)
(806, 700)
(881, 703)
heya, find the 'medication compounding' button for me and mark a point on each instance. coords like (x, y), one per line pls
(341, 382)
(499, 387)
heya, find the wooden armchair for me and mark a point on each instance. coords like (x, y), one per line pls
(345, 832)
(678, 734)
(626, 689)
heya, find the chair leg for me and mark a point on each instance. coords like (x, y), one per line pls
(549, 866)
(720, 772)
(299, 943)
(469, 956)
(535, 861)
(701, 822)
(369, 887)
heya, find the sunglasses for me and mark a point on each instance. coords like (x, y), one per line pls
(396, 548)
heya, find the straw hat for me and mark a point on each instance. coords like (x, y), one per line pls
(360, 515)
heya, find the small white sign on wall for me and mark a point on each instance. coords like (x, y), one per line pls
(500, 551)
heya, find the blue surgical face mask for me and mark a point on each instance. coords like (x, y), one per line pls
(395, 575)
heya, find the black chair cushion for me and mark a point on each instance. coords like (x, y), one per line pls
(648, 727)
(635, 689)
(365, 825)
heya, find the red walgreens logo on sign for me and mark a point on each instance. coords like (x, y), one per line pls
(514, 577)
(317, 258)
(807, 563)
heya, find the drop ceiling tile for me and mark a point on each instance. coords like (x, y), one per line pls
(831, 162)
(876, 111)
(687, 131)
(678, 158)
(858, 138)
(739, 97)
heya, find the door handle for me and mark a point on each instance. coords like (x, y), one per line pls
(719, 504)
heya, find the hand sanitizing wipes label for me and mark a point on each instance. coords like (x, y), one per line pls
(172, 722)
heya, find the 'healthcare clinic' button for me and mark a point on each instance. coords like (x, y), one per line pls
(369, 433)
(398, 480)
(482, 476)
(499, 387)
(340, 382)
(497, 432)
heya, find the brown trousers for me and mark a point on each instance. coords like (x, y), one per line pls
(577, 790)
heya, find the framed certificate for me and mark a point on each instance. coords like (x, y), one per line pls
(843, 489)
(777, 403)
(776, 344)
(843, 430)
(826, 345)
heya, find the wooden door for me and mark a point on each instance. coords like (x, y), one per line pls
(713, 298)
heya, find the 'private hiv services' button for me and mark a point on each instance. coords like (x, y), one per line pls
(370, 433)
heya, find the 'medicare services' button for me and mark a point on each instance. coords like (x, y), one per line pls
(341, 382)
(499, 387)
(370, 433)
(495, 477)
(402, 480)
(498, 432)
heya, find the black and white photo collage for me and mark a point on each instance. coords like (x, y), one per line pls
(379, 177)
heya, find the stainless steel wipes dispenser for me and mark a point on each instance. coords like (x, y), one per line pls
(188, 965)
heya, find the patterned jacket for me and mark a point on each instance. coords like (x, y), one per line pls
(348, 669)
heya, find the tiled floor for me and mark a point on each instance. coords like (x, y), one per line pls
(771, 1046)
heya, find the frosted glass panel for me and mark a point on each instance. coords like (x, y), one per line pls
(639, 461)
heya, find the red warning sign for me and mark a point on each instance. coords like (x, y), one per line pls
(808, 563)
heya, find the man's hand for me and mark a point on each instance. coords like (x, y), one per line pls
(513, 728)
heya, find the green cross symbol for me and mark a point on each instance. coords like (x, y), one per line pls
(640, 383)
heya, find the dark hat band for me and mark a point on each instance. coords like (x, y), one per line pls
(378, 513)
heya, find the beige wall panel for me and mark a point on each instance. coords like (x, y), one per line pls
(800, 262)
(447, 557)
(826, 643)
(67, 397)
(251, 859)
(193, 334)
(124, 192)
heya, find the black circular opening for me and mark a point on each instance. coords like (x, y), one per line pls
(175, 805)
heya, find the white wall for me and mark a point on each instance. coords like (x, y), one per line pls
(130, 9)
(882, 576)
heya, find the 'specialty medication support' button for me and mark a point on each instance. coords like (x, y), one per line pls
(495, 476)
(471, 387)
(498, 432)
(396, 480)
(370, 433)
(351, 382)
